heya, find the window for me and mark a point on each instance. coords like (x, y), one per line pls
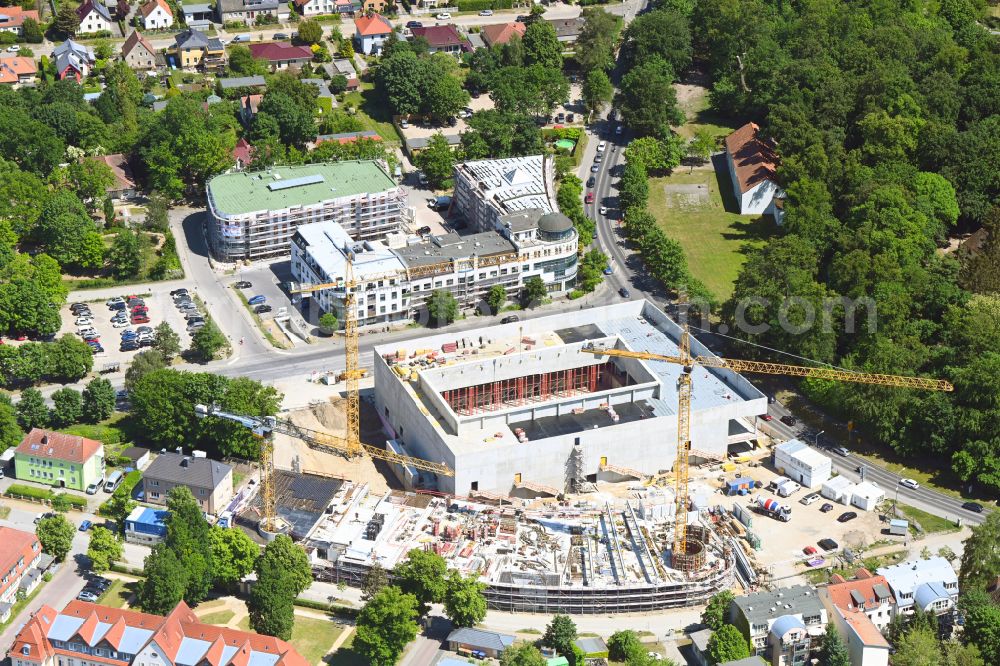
(154, 483)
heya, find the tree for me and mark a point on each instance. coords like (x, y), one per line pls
(595, 46)
(271, 609)
(56, 536)
(647, 99)
(918, 647)
(522, 654)
(832, 651)
(98, 400)
(32, 412)
(982, 623)
(167, 342)
(495, 298)
(70, 359)
(442, 308)
(954, 653)
(187, 537)
(385, 626)
(242, 63)
(104, 550)
(424, 575)
(560, 634)
(714, 615)
(32, 31)
(328, 323)
(542, 45)
(286, 560)
(118, 507)
(701, 146)
(66, 22)
(375, 579)
(283, 572)
(207, 342)
(295, 122)
(68, 234)
(142, 363)
(464, 603)
(624, 644)
(10, 430)
(446, 97)
(980, 564)
(436, 161)
(661, 33)
(597, 91)
(125, 254)
(727, 644)
(90, 179)
(164, 581)
(67, 407)
(233, 554)
(534, 291)
(310, 32)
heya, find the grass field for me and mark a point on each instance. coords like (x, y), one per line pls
(313, 638)
(689, 207)
(221, 617)
(346, 656)
(372, 115)
(928, 521)
(119, 594)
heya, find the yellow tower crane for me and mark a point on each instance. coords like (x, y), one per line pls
(688, 362)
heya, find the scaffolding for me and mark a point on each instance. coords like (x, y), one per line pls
(493, 396)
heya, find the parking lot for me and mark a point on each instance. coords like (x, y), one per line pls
(160, 308)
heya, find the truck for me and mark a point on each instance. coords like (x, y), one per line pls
(774, 509)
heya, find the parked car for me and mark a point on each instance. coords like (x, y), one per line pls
(789, 420)
(118, 307)
(442, 16)
(846, 516)
(261, 309)
(810, 550)
(601, 146)
(114, 299)
(178, 292)
(241, 38)
(591, 181)
(973, 506)
(909, 483)
(414, 24)
(85, 525)
(486, 12)
(14, 48)
(828, 544)
(257, 300)
(94, 487)
(604, 211)
(766, 417)
(608, 270)
(624, 293)
(87, 595)
(509, 319)
(595, 168)
(243, 284)
(618, 130)
(826, 508)
(96, 349)
(140, 319)
(809, 499)
(424, 230)
(144, 329)
(119, 323)
(83, 321)
(589, 198)
(279, 37)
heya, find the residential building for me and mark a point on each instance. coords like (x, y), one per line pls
(865, 643)
(199, 16)
(124, 185)
(247, 11)
(138, 52)
(242, 154)
(322, 91)
(567, 30)
(345, 68)
(17, 71)
(753, 168)
(798, 462)
(749, 661)
(370, 32)
(20, 553)
(254, 215)
(73, 60)
(867, 495)
(194, 49)
(94, 17)
(316, 7)
(281, 55)
(210, 481)
(374, 6)
(249, 105)
(928, 584)
(501, 33)
(699, 646)
(138, 456)
(593, 647)
(12, 18)
(466, 640)
(145, 526)
(156, 15)
(442, 38)
(866, 593)
(780, 624)
(257, 83)
(94, 635)
(55, 459)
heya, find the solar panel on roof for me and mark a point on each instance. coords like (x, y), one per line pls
(295, 182)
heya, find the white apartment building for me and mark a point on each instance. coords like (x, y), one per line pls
(930, 585)
(253, 215)
(397, 277)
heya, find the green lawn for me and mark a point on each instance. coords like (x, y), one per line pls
(346, 656)
(822, 574)
(928, 521)
(119, 594)
(313, 638)
(689, 207)
(221, 617)
(372, 115)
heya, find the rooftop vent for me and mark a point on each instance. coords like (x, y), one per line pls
(186, 462)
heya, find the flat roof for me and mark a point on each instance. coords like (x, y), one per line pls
(760, 607)
(327, 241)
(511, 184)
(453, 246)
(243, 192)
(800, 451)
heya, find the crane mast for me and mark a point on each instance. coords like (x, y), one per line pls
(352, 360)
(687, 363)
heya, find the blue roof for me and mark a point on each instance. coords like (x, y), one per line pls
(786, 623)
(928, 593)
(147, 516)
(896, 522)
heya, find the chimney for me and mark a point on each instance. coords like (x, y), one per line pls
(186, 461)
(180, 449)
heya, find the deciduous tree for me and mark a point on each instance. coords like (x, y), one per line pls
(542, 45)
(623, 645)
(32, 412)
(560, 634)
(104, 550)
(98, 400)
(442, 308)
(464, 603)
(534, 291)
(832, 650)
(207, 342)
(375, 579)
(310, 32)
(917, 647)
(56, 536)
(495, 298)
(980, 564)
(595, 46)
(67, 407)
(727, 644)
(125, 254)
(597, 90)
(187, 536)
(10, 431)
(424, 575)
(386, 624)
(522, 654)
(436, 161)
(165, 579)
(714, 615)
(233, 555)
(647, 99)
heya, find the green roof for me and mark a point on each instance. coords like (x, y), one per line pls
(282, 187)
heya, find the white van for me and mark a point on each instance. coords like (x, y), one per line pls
(115, 480)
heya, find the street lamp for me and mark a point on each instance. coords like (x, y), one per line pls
(816, 437)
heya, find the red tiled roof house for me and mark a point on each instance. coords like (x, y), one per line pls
(64, 461)
(861, 608)
(753, 166)
(281, 55)
(501, 33)
(441, 38)
(17, 71)
(124, 185)
(370, 32)
(19, 553)
(156, 15)
(12, 19)
(86, 633)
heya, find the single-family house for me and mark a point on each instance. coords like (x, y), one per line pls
(467, 640)
(501, 33)
(247, 11)
(156, 15)
(442, 38)
(12, 18)
(248, 108)
(145, 526)
(210, 481)
(753, 168)
(56, 459)
(138, 52)
(866, 593)
(17, 71)
(194, 49)
(124, 185)
(199, 15)
(315, 7)
(347, 6)
(281, 55)
(567, 30)
(20, 552)
(242, 154)
(94, 17)
(376, 6)
(73, 60)
(370, 32)
(322, 90)
(343, 67)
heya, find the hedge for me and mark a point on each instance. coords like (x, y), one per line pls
(479, 5)
(336, 609)
(30, 491)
